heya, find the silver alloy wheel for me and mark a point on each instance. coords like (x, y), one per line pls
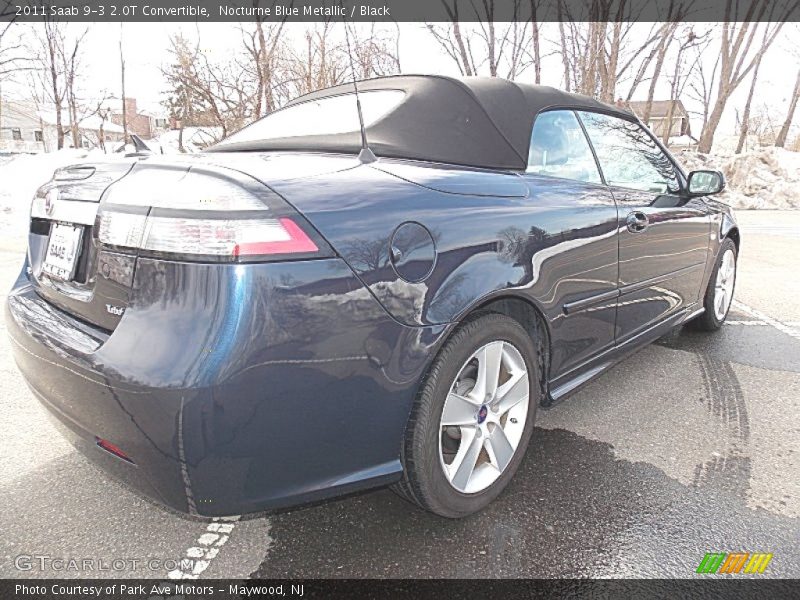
(723, 287)
(483, 417)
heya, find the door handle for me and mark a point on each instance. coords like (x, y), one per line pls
(637, 222)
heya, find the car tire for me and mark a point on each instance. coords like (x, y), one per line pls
(428, 479)
(712, 318)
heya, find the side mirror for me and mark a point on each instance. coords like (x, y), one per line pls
(705, 183)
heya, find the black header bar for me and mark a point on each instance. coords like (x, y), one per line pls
(400, 10)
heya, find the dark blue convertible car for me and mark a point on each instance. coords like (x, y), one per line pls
(313, 307)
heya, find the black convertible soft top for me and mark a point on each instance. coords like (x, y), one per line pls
(474, 121)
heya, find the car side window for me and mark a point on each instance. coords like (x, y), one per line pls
(559, 148)
(628, 155)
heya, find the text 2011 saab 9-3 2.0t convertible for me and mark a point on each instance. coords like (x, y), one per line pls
(312, 307)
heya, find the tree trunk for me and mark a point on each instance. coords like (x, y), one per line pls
(564, 51)
(746, 115)
(72, 110)
(662, 52)
(56, 95)
(784, 132)
(124, 104)
(44, 137)
(595, 50)
(537, 56)
(667, 132)
(260, 93)
(707, 137)
(736, 43)
(73, 118)
(610, 79)
(462, 49)
(491, 46)
(675, 89)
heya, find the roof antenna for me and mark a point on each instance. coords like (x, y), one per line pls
(366, 155)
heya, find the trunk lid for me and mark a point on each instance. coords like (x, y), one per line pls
(96, 285)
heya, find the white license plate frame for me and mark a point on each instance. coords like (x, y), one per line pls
(63, 251)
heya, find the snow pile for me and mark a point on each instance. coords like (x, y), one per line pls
(20, 177)
(764, 178)
(195, 139)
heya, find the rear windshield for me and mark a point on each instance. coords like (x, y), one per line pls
(325, 116)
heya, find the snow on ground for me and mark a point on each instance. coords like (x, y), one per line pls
(764, 178)
(194, 139)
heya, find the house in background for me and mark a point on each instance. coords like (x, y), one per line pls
(665, 115)
(147, 123)
(91, 130)
(21, 128)
(25, 128)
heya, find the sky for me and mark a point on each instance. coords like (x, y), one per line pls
(146, 46)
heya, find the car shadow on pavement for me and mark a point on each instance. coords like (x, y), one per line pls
(572, 510)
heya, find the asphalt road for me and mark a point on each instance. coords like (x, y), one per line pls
(690, 446)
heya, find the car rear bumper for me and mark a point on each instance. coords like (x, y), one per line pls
(232, 388)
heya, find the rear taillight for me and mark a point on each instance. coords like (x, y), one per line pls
(203, 214)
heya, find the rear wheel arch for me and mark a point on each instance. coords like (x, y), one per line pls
(733, 235)
(532, 319)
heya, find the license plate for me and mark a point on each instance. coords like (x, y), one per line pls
(63, 249)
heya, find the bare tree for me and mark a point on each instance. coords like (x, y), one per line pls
(13, 53)
(70, 55)
(681, 73)
(375, 52)
(9, 55)
(612, 48)
(49, 78)
(264, 52)
(736, 58)
(103, 113)
(122, 90)
(780, 141)
(58, 77)
(665, 36)
(535, 41)
(583, 53)
(562, 32)
(762, 125)
(487, 46)
(324, 60)
(647, 58)
(231, 91)
(321, 63)
(227, 93)
(743, 130)
(701, 86)
(452, 41)
(55, 79)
